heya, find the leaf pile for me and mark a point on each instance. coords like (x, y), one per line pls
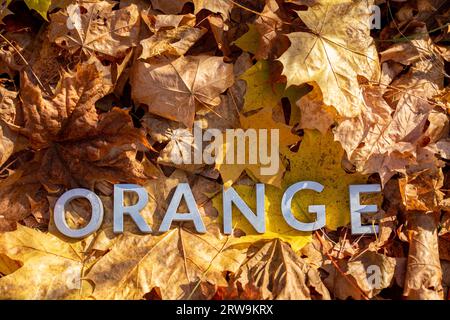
(94, 93)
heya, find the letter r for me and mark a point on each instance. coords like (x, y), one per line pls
(132, 211)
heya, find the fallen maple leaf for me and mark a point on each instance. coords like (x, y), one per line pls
(355, 281)
(174, 35)
(275, 271)
(271, 25)
(22, 195)
(314, 114)
(215, 6)
(51, 268)
(41, 6)
(262, 89)
(78, 147)
(175, 6)
(390, 132)
(337, 49)
(261, 120)
(4, 11)
(169, 7)
(95, 28)
(421, 190)
(176, 262)
(90, 77)
(8, 116)
(319, 159)
(175, 89)
(424, 274)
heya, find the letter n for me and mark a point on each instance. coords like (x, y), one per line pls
(231, 197)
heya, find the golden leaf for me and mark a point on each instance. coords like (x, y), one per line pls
(261, 120)
(175, 262)
(51, 268)
(337, 50)
(215, 6)
(262, 89)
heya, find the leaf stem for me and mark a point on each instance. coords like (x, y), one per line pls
(26, 63)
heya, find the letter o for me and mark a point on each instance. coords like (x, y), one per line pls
(59, 213)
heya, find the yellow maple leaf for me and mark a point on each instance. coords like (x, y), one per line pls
(175, 262)
(264, 120)
(319, 159)
(249, 41)
(338, 49)
(51, 268)
(41, 6)
(263, 92)
(261, 120)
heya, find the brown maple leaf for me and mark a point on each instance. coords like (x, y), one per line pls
(21, 194)
(222, 6)
(424, 274)
(274, 271)
(176, 89)
(390, 133)
(351, 279)
(173, 35)
(169, 7)
(8, 117)
(95, 27)
(75, 145)
(270, 25)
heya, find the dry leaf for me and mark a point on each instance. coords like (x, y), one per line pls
(40, 255)
(169, 7)
(314, 114)
(174, 262)
(337, 50)
(174, 35)
(175, 89)
(356, 281)
(274, 271)
(318, 159)
(223, 6)
(424, 274)
(106, 92)
(76, 146)
(95, 28)
(261, 120)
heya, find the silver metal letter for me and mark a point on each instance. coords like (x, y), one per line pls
(319, 210)
(59, 213)
(356, 208)
(183, 189)
(132, 211)
(230, 196)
